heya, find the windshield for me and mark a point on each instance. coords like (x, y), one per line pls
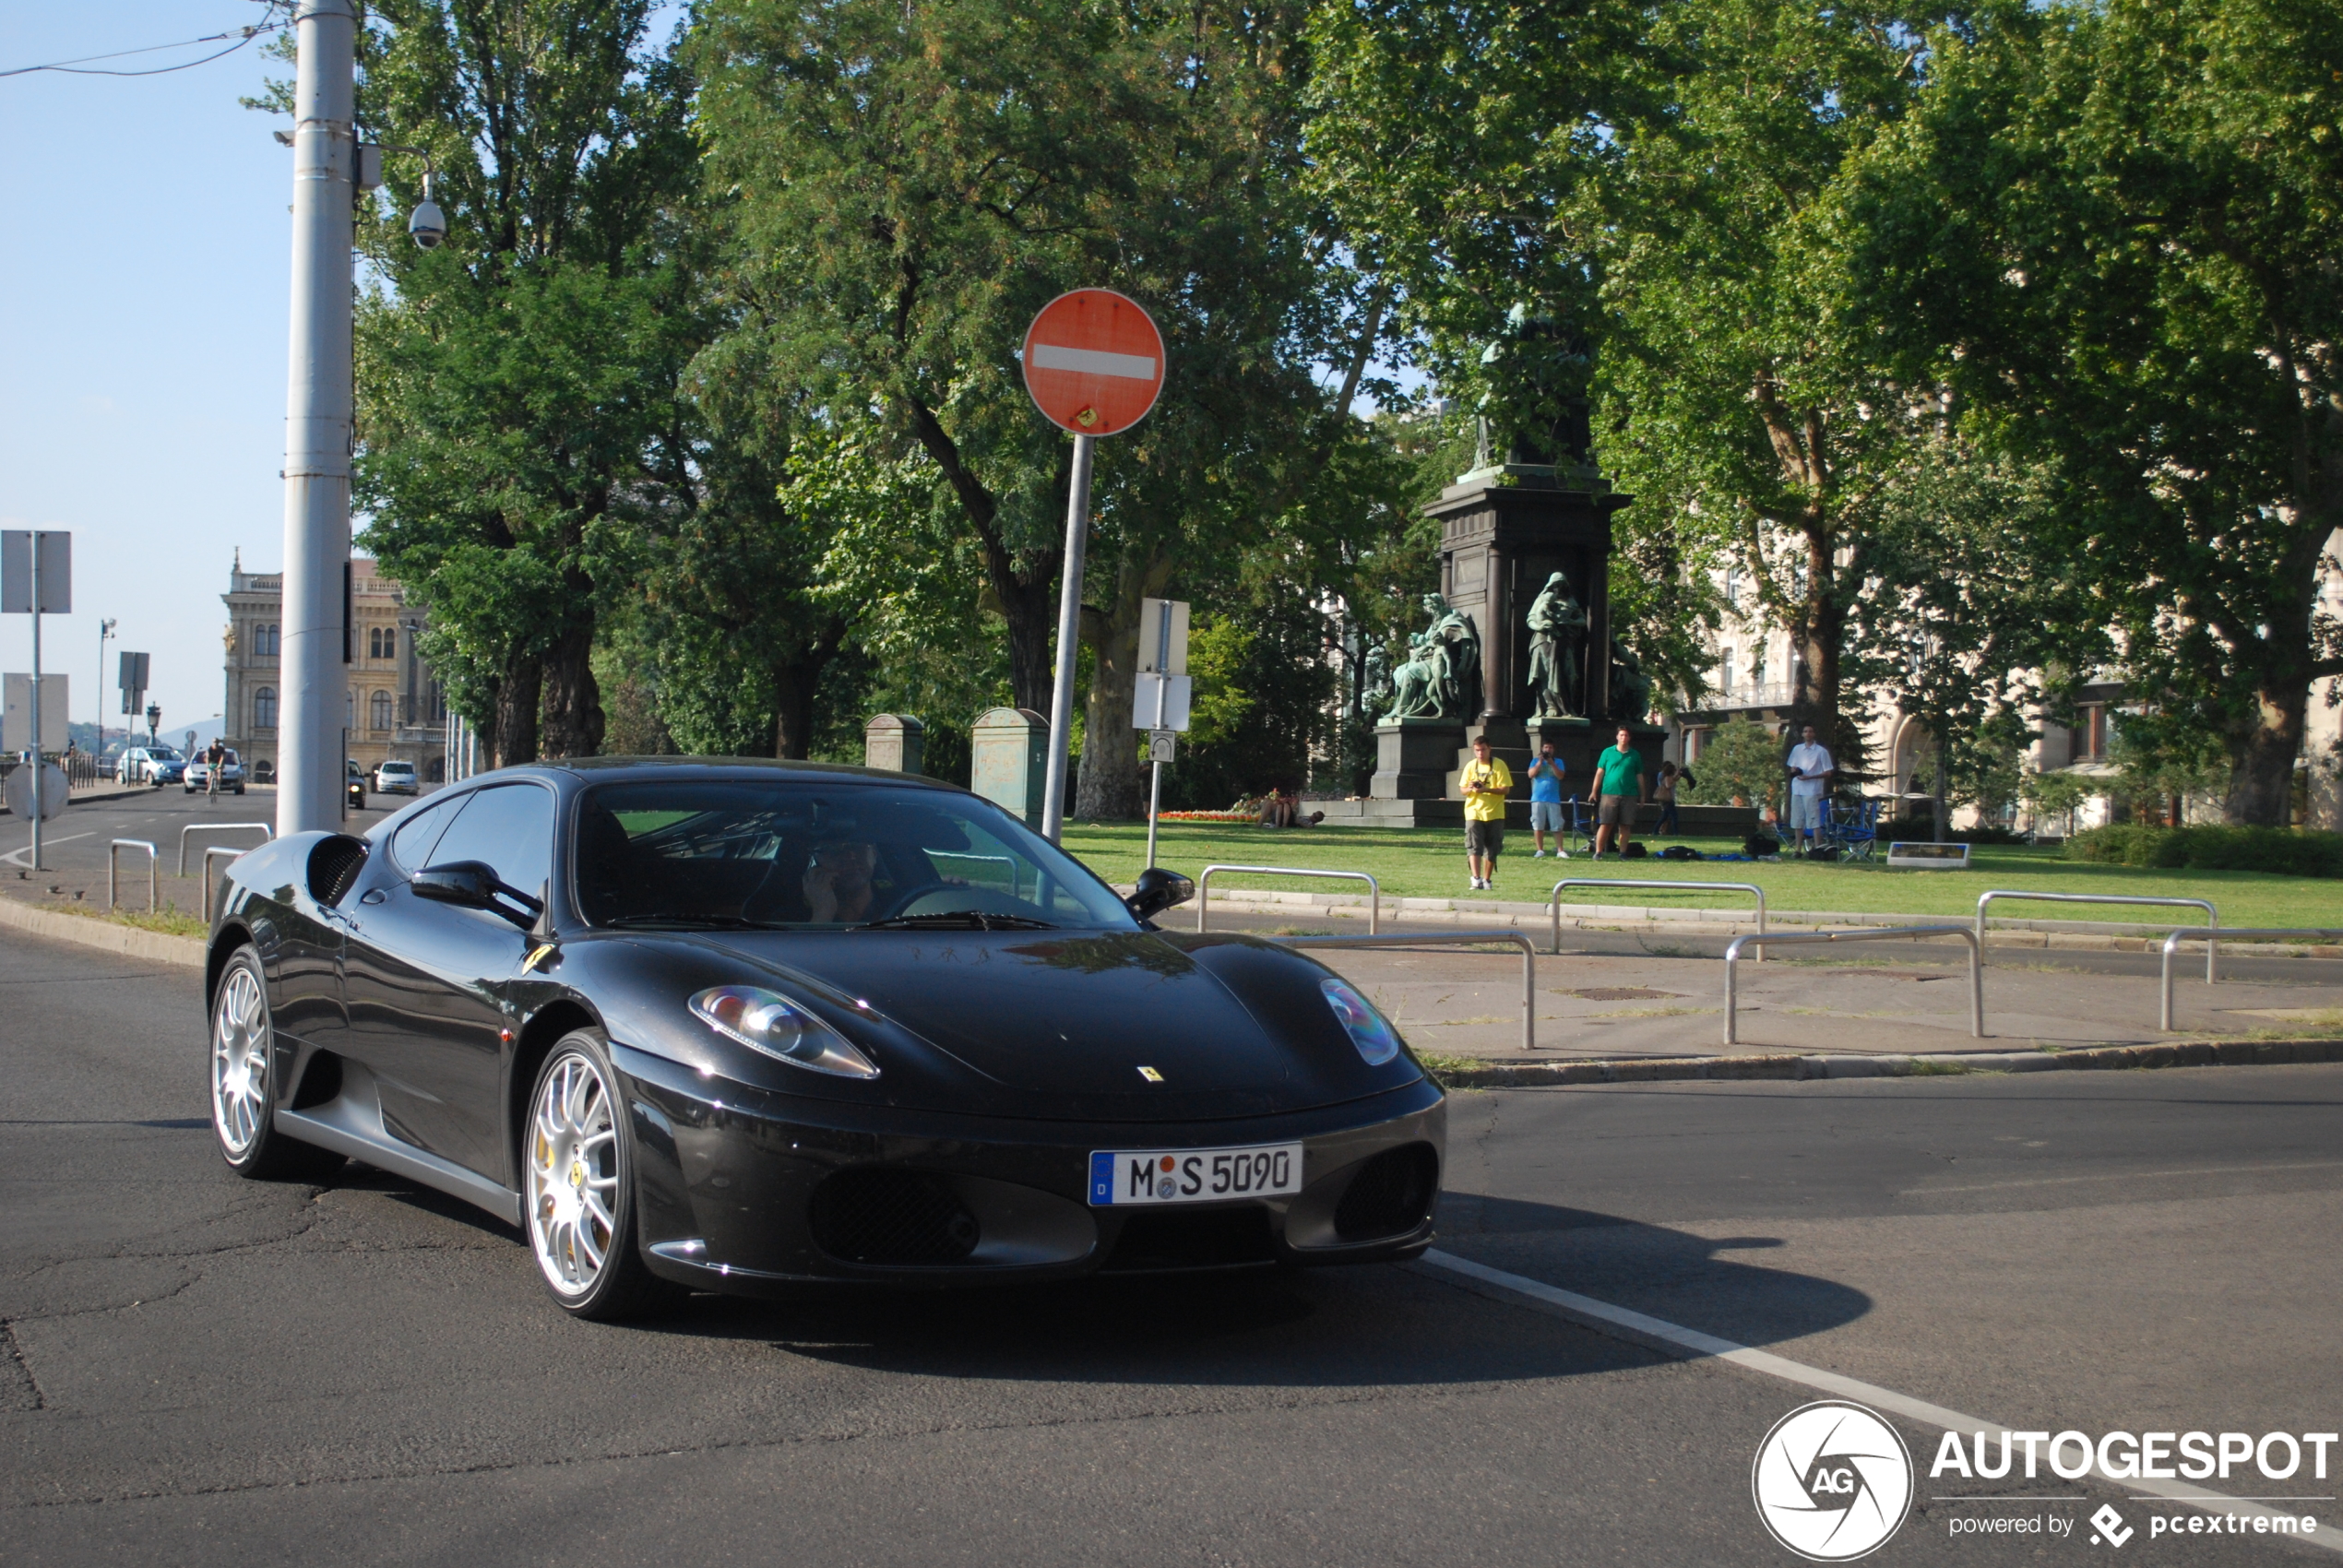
(817, 854)
(162, 754)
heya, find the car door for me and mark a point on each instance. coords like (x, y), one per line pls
(426, 981)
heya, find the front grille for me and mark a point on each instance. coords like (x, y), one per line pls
(901, 1218)
(1390, 1195)
(1209, 1238)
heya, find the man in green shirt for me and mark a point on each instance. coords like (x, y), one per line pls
(1619, 789)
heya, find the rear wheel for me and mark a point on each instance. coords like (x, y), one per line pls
(242, 1079)
(580, 1187)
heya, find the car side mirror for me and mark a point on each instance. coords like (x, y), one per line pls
(1159, 889)
(474, 884)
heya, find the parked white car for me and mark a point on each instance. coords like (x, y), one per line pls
(395, 778)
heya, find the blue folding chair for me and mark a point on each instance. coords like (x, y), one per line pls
(1852, 827)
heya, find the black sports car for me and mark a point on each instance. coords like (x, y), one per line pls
(729, 1023)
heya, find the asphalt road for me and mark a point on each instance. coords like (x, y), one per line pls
(200, 1370)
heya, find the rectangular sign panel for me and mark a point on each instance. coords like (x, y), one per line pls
(1163, 636)
(1173, 715)
(16, 720)
(16, 572)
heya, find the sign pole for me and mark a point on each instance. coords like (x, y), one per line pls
(1155, 755)
(1077, 518)
(36, 703)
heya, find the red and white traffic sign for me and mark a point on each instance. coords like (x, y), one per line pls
(1093, 362)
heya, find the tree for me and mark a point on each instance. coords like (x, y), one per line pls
(1742, 761)
(917, 180)
(516, 385)
(2110, 229)
(1742, 400)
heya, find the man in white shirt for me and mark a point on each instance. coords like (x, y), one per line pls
(1809, 771)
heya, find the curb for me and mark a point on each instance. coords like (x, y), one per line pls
(92, 798)
(1669, 1069)
(154, 946)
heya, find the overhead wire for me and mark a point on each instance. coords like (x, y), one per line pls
(80, 66)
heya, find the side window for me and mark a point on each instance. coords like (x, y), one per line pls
(508, 825)
(411, 845)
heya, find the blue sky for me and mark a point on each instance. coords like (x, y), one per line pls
(144, 261)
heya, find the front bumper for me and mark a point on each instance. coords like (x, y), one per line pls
(742, 1191)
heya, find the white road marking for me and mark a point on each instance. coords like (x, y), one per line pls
(1095, 361)
(16, 857)
(1672, 1339)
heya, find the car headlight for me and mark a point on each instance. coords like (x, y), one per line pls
(1365, 1026)
(768, 1022)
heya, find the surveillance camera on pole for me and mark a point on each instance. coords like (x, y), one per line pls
(429, 225)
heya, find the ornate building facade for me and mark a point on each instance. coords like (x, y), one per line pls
(395, 707)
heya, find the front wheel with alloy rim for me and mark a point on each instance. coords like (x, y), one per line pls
(580, 1187)
(242, 1079)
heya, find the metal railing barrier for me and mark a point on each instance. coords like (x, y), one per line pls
(154, 875)
(2212, 915)
(262, 828)
(217, 852)
(1553, 899)
(1375, 889)
(2209, 934)
(1976, 967)
(1453, 939)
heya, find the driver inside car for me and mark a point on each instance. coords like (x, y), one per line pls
(838, 880)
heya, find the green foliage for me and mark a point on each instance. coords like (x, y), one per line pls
(518, 386)
(2211, 848)
(2109, 229)
(2163, 757)
(1741, 759)
(2054, 794)
(1263, 691)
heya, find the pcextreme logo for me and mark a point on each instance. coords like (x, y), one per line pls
(1832, 1480)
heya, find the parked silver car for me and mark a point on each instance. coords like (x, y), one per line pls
(156, 765)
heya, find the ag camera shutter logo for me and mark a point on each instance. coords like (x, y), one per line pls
(1832, 1481)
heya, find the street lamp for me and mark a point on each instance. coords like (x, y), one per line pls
(154, 720)
(105, 630)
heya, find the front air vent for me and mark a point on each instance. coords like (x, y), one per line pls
(334, 865)
(1197, 1237)
(1391, 1195)
(893, 1218)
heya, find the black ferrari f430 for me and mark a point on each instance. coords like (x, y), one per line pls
(734, 1026)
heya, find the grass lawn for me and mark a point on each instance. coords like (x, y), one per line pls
(1429, 863)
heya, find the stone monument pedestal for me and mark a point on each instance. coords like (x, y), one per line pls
(1412, 757)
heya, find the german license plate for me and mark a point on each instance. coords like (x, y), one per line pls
(1193, 1175)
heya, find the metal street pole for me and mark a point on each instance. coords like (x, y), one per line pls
(1077, 517)
(317, 415)
(1162, 694)
(36, 703)
(105, 630)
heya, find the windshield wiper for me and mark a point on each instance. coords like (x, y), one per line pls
(725, 923)
(957, 919)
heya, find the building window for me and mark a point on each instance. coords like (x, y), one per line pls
(382, 642)
(1732, 586)
(264, 709)
(349, 711)
(1725, 670)
(379, 710)
(2091, 733)
(264, 641)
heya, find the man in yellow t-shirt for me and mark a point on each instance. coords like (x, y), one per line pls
(1486, 780)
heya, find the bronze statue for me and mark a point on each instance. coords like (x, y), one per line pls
(1414, 694)
(1630, 687)
(1442, 676)
(1558, 633)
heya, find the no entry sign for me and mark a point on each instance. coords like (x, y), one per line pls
(1093, 362)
